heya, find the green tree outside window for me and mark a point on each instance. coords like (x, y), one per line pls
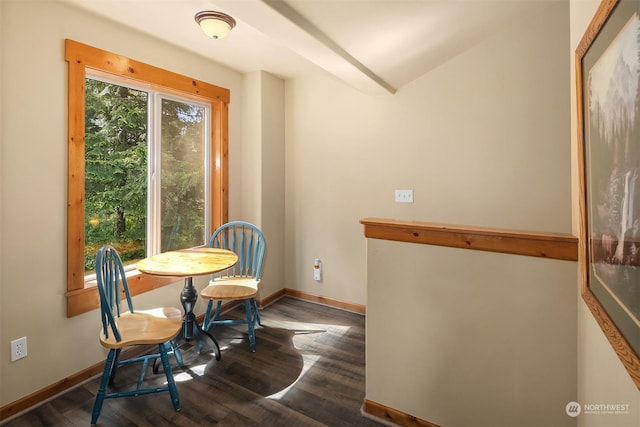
(119, 195)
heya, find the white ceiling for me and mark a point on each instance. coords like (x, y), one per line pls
(376, 46)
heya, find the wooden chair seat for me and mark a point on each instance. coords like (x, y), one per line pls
(145, 327)
(232, 288)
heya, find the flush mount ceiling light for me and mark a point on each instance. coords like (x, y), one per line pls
(215, 24)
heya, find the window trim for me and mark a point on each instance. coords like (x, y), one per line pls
(80, 57)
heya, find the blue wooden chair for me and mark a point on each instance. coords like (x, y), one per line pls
(127, 328)
(240, 282)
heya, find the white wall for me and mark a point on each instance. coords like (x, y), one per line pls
(467, 338)
(262, 189)
(602, 378)
(482, 140)
(33, 184)
(458, 338)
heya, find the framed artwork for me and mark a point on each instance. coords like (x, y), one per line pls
(608, 95)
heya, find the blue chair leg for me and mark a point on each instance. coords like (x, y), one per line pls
(216, 316)
(116, 359)
(175, 399)
(172, 348)
(206, 323)
(250, 324)
(207, 316)
(106, 378)
(257, 312)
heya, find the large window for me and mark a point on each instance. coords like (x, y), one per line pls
(146, 171)
(147, 165)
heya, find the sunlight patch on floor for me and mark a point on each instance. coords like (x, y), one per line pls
(190, 373)
(308, 360)
(300, 330)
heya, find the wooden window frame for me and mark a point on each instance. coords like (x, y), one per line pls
(80, 57)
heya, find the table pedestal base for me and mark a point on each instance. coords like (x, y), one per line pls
(190, 327)
(188, 298)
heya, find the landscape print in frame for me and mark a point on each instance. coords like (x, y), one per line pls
(608, 79)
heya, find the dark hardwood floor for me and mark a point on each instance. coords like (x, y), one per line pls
(308, 370)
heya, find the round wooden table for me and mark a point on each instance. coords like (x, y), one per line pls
(188, 263)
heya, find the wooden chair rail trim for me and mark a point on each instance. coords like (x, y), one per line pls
(530, 243)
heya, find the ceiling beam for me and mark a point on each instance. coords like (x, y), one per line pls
(283, 24)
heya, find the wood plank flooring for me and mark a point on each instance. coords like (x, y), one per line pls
(308, 370)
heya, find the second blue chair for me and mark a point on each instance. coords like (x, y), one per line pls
(240, 282)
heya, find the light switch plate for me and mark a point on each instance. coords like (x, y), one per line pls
(404, 196)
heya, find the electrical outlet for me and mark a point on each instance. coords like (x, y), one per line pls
(18, 349)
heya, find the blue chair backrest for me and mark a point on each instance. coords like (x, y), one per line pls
(112, 282)
(247, 241)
